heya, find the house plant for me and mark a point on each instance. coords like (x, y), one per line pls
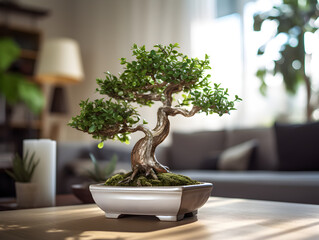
(293, 19)
(14, 86)
(155, 75)
(96, 175)
(23, 169)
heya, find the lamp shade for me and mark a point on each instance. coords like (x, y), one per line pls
(59, 62)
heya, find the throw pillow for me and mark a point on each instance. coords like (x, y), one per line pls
(236, 158)
(297, 146)
(210, 161)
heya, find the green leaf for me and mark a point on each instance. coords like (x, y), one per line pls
(23, 168)
(13, 86)
(31, 95)
(10, 51)
(92, 129)
(9, 87)
(110, 168)
(100, 145)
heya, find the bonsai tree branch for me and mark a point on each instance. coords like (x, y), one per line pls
(174, 111)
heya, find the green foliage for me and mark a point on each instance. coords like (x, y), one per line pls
(211, 100)
(164, 179)
(293, 18)
(23, 168)
(151, 72)
(9, 53)
(100, 175)
(105, 119)
(13, 86)
(154, 75)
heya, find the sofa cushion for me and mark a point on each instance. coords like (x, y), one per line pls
(238, 157)
(300, 187)
(297, 146)
(266, 155)
(189, 150)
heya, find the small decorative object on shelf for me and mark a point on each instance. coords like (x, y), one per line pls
(22, 172)
(155, 75)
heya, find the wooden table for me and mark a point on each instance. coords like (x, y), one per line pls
(220, 218)
(60, 200)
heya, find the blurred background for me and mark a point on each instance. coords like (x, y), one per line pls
(245, 40)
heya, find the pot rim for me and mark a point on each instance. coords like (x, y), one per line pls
(102, 187)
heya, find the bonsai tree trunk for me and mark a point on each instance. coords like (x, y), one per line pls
(143, 157)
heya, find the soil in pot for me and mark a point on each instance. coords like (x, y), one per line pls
(164, 179)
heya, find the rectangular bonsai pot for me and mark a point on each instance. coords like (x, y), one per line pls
(166, 203)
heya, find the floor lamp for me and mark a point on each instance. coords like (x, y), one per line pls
(59, 64)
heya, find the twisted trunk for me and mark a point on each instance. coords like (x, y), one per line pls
(143, 157)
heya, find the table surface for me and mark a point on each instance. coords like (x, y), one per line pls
(219, 218)
(10, 203)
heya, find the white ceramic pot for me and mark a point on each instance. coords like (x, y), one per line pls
(166, 203)
(26, 194)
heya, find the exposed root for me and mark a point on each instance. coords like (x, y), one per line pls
(128, 179)
(147, 171)
(135, 171)
(152, 173)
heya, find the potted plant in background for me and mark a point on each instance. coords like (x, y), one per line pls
(14, 86)
(294, 19)
(22, 171)
(96, 175)
(156, 75)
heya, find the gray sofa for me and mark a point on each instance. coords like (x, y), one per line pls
(241, 163)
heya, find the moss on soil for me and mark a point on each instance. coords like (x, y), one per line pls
(164, 179)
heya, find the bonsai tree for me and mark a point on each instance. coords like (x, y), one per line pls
(155, 75)
(294, 18)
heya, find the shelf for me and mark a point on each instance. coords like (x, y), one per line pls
(29, 54)
(20, 123)
(12, 7)
(36, 124)
(27, 39)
